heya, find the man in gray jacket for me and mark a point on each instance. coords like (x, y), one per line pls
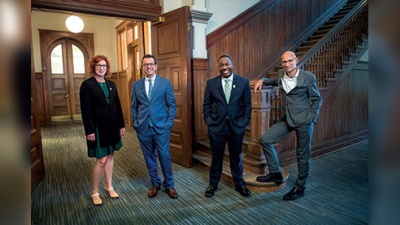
(302, 104)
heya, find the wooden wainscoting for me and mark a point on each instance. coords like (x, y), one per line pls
(256, 38)
(40, 95)
(200, 76)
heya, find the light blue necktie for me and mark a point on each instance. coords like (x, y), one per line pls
(149, 95)
(150, 89)
(227, 90)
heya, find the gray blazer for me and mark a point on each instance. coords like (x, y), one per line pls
(302, 104)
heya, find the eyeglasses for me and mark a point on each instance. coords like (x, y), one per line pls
(101, 65)
(148, 64)
(288, 61)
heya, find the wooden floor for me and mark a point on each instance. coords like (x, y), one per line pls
(337, 191)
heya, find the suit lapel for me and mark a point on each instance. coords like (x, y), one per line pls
(156, 85)
(220, 88)
(234, 84)
(143, 88)
(111, 92)
(301, 78)
(97, 89)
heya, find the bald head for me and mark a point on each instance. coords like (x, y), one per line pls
(288, 54)
(289, 63)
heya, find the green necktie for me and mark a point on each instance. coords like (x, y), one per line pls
(227, 90)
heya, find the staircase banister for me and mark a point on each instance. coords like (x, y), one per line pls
(276, 59)
(266, 92)
(332, 32)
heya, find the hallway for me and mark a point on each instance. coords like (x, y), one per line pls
(337, 192)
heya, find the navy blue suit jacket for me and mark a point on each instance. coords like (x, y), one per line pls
(161, 109)
(216, 111)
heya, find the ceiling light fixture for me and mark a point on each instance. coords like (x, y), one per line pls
(74, 24)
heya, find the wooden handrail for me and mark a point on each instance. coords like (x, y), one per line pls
(333, 31)
(328, 55)
(263, 70)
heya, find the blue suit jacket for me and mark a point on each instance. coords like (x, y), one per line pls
(302, 104)
(216, 110)
(161, 109)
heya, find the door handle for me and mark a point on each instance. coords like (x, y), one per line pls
(66, 96)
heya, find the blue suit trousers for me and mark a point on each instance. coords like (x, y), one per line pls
(157, 145)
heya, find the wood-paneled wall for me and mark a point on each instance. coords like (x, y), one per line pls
(261, 34)
(200, 76)
(121, 80)
(41, 112)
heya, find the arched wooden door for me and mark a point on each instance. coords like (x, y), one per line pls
(67, 60)
(64, 60)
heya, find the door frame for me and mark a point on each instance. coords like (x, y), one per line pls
(47, 38)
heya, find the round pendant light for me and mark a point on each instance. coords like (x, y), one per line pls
(74, 24)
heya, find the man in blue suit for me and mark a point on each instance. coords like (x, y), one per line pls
(153, 111)
(302, 104)
(226, 111)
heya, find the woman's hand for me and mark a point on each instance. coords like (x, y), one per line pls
(91, 137)
(121, 132)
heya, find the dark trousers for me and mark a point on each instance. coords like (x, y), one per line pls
(303, 149)
(218, 142)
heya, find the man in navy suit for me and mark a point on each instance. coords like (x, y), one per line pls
(153, 111)
(302, 104)
(226, 111)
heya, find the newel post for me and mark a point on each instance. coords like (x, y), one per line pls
(260, 117)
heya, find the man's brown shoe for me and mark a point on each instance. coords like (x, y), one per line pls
(171, 193)
(153, 191)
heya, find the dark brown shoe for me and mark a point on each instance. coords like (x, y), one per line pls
(153, 191)
(171, 193)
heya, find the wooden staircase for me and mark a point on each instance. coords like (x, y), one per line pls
(318, 35)
(312, 58)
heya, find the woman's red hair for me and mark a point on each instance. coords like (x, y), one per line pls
(96, 59)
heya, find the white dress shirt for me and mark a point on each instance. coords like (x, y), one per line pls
(289, 83)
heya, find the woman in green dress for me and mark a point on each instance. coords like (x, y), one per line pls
(103, 122)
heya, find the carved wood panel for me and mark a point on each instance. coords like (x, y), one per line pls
(171, 44)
